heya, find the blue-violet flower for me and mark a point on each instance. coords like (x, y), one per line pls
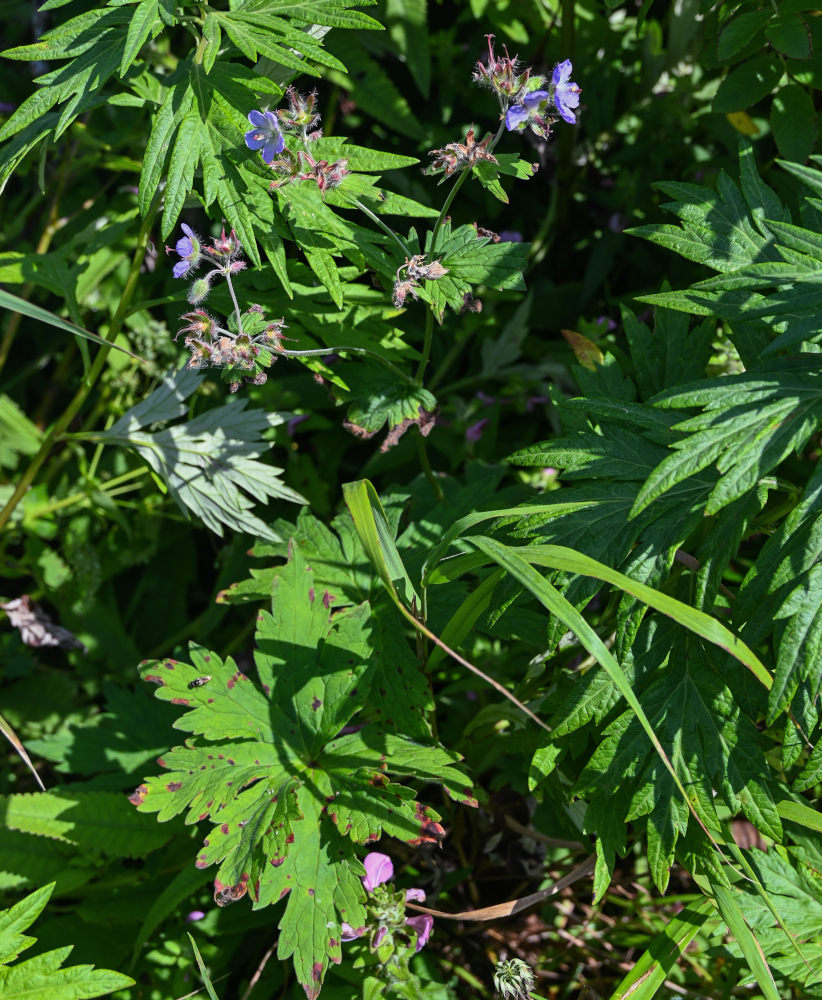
(265, 135)
(188, 248)
(566, 92)
(530, 111)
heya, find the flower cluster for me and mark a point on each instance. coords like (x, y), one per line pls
(416, 270)
(502, 75)
(387, 908)
(246, 345)
(537, 107)
(458, 156)
(529, 101)
(268, 138)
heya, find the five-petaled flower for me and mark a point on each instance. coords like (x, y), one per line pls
(530, 111)
(188, 247)
(566, 92)
(265, 135)
(379, 869)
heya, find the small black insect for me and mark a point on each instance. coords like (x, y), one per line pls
(199, 681)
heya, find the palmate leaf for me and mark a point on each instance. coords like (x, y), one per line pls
(378, 397)
(791, 880)
(400, 693)
(101, 43)
(472, 260)
(769, 266)
(750, 423)
(42, 977)
(782, 592)
(209, 461)
(724, 228)
(712, 742)
(286, 793)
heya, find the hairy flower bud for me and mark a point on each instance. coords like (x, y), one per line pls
(300, 113)
(198, 291)
(501, 74)
(513, 980)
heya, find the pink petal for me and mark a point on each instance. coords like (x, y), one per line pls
(378, 869)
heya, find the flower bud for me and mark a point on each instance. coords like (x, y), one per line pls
(198, 291)
(513, 980)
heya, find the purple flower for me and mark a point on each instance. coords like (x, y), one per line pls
(474, 432)
(194, 916)
(423, 925)
(188, 248)
(510, 236)
(378, 869)
(566, 92)
(518, 115)
(265, 135)
(291, 427)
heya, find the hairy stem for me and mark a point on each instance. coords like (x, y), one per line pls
(384, 226)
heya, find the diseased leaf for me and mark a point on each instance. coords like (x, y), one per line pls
(287, 790)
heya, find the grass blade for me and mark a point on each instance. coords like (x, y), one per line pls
(15, 304)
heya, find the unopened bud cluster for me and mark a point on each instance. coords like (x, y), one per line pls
(244, 347)
(411, 273)
(513, 980)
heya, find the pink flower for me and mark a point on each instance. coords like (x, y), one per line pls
(423, 925)
(378, 869)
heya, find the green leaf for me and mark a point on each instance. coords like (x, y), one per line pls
(743, 440)
(472, 260)
(378, 540)
(287, 798)
(42, 978)
(203, 971)
(15, 304)
(780, 593)
(654, 965)
(184, 159)
(790, 35)
(140, 26)
(93, 821)
(747, 84)
(209, 461)
(716, 227)
(18, 435)
(377, 396)
(793, 120)
(322, 264)
(738, 31)
(752, 950)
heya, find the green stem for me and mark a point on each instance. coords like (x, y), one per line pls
(90, 378)
(109, 488)
(453, 193)
(422, 451)
(426, 347)
(236, 304)
(334, 350)
(385, 228)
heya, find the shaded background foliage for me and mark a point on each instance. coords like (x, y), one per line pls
(667, 91)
